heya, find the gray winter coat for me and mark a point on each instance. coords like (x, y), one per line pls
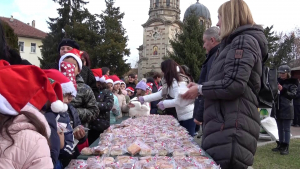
(231, 118)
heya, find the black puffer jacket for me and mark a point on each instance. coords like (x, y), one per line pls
(231, 119)
(199, 102)
(285, 100)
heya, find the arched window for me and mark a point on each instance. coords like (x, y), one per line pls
(157, 3)
(168, 2)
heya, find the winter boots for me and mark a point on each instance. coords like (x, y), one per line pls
(285, 149)
(278, 148)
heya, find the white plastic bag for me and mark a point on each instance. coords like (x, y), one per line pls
(270, 126)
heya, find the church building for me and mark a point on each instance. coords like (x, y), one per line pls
(163, 24)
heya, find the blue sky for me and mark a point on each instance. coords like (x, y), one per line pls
(283, 14)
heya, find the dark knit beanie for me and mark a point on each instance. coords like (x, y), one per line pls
(68, 42)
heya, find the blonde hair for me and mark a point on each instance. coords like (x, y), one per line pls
(233, 14)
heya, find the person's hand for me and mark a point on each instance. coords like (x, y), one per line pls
(161, 106)
(141, 100)
(79, 134)
(130, 105)
(197, 122)
(192, 93)
(61, 136)
(279, 87)
(191, 85)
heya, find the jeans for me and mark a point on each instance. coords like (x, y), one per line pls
(284, 130)
(190, 126)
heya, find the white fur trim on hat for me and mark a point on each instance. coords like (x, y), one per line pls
(109, 81)
(31, 109)
(65, 108)
(6, 108)
(102, 79)
(117, 82)
(77, 58)
(97, 79)
(69, 88)
(130, 90)
(177, 69)
(57, 106)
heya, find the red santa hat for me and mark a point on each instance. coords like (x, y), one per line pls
(68, 70)
(27, 86)
(65, 83)
(108, 80)
(4, 63)
(115, 79)
(76, 54)
(150, 86)
(98, 74)
(130, 89)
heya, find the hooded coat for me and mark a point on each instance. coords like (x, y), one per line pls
(231, 119)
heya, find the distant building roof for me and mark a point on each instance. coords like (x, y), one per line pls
(296, 68)
(24, 30)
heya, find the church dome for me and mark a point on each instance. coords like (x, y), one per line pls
(200, 10)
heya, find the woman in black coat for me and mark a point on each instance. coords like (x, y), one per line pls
(284, 113)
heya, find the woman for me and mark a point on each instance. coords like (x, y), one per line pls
(174, 79)
(284, 108)
(231, 122)
(85, 59)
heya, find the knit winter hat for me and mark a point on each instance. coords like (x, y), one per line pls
(115, 79)
(66, 85)
(68, 42)
(97, 73)
(76, 54)
(26, 86)
(141, 85)
(130, 89)
(68, 69)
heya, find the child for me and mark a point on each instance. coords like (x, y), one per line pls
(116, 111)
(149, 88)
(85, 101)
(118, 92)
(123, 85)
(130, 92)
(136, 108)
(24, 129)
(105, 102)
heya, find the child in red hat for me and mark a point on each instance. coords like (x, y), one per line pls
(85, 101)
(105, 102)
(24, 129)
(115, 111)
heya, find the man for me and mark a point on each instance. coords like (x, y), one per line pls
(211, 44)
(155, 80)
(131, 81)
(88, 77)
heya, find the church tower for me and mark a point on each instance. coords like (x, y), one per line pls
(163, 22)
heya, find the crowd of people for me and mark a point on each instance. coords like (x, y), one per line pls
(49, 114)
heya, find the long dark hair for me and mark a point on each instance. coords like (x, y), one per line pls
(6, 121)
(169, 68)
(86, 56)
(187, 71)
(105, 70)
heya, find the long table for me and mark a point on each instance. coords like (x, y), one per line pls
(95, 143)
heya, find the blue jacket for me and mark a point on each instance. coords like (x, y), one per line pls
(71, 118)
(54, 138)
(199, 102)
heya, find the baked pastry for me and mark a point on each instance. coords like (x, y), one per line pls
(116, 151)
(87, 151)
(145, 152)
(100, 150)
(134, 149)
(178, 152)
(108, 160)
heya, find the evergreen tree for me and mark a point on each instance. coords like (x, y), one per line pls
(10, 36)
(113, 48)
(188, 45)
(74, 22)
(284, 54)
(273, 44)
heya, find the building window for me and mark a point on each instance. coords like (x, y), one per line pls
(33, 47)
(21, 46)
(168, 2)
(157, 3)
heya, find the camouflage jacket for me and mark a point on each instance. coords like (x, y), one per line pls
(85, 102)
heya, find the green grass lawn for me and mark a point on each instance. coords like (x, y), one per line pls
(265, 158)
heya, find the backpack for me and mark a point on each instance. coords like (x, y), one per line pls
(269, 90)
